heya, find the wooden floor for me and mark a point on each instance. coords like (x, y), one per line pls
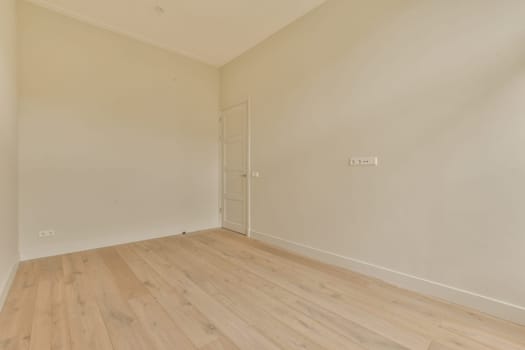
(219, 290)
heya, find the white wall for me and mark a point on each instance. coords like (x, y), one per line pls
(436, 90)
(118, 140)
(8, 167)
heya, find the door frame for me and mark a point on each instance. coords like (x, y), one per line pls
(248, 160)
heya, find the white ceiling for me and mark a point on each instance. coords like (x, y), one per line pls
(213, 31)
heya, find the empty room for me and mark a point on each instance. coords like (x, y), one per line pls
(262, 175)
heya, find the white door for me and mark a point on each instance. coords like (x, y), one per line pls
(235, 168)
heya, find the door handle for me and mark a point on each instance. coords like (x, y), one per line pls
(244, 175)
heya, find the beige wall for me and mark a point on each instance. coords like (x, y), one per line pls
(8, 167)
(436, 90)
(118, 140)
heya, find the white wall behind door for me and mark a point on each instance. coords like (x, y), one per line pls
(436, 91)
(118, 140)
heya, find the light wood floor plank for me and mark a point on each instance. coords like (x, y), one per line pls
(162, 330)
(350, 294)
(201, 331)
(291, 307)
(16, 320)
(407, 301)
(86, 327)
(315, 292)
(244, 336)
(126, 281)
(125, 331)
(456, 319)
(50, 323)
(406, 306)
(216, 290)
(240, 299)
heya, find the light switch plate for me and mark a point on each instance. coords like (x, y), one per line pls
(363, 161)
(46, 233)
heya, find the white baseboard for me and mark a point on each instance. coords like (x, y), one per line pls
(4, 289)
(492, 306)
(30, 253)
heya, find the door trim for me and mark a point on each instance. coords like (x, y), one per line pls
(248, 196)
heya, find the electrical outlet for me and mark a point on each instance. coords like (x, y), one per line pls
(46, 233)
(363, 161)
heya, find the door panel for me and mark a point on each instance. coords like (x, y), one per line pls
(235, 168)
